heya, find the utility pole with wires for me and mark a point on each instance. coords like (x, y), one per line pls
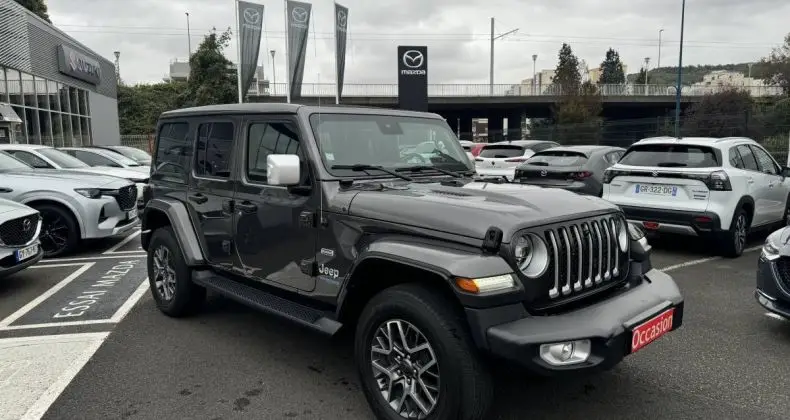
(491, 63)
(189, 38)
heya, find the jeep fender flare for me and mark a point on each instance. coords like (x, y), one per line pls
(178, 217)
(445, 262)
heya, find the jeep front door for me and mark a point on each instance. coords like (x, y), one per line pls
(211, 190)
(275, 237)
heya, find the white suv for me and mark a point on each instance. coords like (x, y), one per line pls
(713, 187)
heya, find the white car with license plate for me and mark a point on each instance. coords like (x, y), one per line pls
(20, 226)
(502, 158)
(74, 206)
(716, 188)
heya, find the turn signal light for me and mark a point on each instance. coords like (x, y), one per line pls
(581, 175)
(485, 284)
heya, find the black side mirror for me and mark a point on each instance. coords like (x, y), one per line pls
(785, 171)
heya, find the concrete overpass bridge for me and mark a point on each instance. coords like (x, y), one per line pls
(460, 103)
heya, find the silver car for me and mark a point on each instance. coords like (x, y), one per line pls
(103, 157)
(20, 226)
(74, 205)
(45, 157)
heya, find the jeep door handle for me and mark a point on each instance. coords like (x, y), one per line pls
(198, 198)
(246, 207)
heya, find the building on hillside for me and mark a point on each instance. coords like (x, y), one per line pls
(179, 71)
(715, 80)
(539, 86)
(63, 92)
(595, 74)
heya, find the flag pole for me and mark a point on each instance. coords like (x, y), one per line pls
(287, 57)
(238, 53)
(337, 63)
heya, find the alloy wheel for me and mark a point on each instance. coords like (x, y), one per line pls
(405, 369)
(164, 273)
(54, 235)
(740, 232)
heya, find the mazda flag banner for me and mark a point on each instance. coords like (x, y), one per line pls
(298, 18)
(250, 27)
(341, 22)
(413, 78)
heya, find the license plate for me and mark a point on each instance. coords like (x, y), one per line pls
(25, 253)
(651, 330)
(656, 189)
(131, 214)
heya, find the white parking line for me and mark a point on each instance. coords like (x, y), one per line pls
(125, 241)
(129, 304)
(44, 296)
(704, 260)
(96, 258)
(41, 368)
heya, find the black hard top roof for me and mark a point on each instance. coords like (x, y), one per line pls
(285, 108)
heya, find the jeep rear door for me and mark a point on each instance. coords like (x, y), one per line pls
(210, 193)
(275, 234)
(669, 176)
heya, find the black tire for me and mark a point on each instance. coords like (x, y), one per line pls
(60, 232)
(465, 386)
(185, 297)
(733, 241)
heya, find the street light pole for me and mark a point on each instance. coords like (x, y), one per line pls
(189, 38)
(491, 63)
(658, 64)
(647, 66)
(680, 71)
(274, 79)
(534, 73)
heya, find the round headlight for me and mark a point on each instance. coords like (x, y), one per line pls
(622, 234)
(531, 255)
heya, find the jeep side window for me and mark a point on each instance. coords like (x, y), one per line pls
(214, 149)
(266, 139)
(171, 159)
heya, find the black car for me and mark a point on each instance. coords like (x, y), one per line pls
(575, 168)
(316, 216)
(773, 274)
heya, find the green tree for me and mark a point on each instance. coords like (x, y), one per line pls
(212, 79)
(577, 117)
(641, 78)
(612, 69)
(567, 78)
(724, 114)
(775, 69)
(39, 7)
(139, 106)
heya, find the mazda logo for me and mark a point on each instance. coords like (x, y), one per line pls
(26, 225)
(413, 59)
(341, 19)
(543, 173)
(299, 14)
(252, 16)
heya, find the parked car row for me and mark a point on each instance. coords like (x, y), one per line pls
(51, 200)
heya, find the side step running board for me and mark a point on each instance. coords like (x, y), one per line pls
(266, 302)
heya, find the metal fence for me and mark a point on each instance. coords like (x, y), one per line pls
(499, 90)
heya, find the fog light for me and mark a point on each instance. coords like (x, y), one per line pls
(565, 353)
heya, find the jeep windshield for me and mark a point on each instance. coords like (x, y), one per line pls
(391, 142)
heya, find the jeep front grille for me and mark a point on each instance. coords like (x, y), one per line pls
(584, 258)
(127, 197)
(20, 231)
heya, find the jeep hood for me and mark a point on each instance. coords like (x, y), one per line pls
(469, 210)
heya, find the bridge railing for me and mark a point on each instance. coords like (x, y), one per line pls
(500, 90)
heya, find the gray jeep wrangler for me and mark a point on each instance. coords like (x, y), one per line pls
(337, 217)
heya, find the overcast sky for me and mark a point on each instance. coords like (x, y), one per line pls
(151, 33)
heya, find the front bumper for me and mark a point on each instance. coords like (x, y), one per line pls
(103, 218)
(8, 263)
(691, 223)
(771, 292)
(606, 324)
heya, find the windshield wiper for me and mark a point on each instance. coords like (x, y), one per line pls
(671, 165)
(418, 168)
(361, 167)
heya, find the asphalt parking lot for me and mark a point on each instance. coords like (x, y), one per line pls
(80, 338)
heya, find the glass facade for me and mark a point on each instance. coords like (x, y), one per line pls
(52, 113)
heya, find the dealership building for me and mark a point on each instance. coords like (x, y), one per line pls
(53, 90)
